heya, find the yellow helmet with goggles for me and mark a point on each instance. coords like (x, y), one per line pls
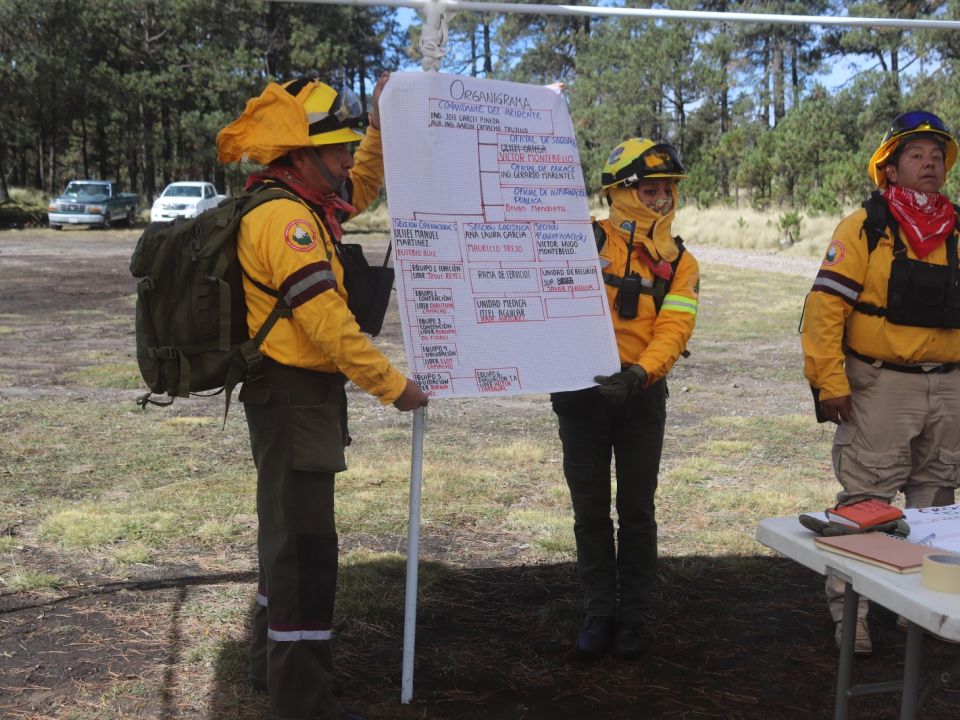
(913, 124)
(296, 114)
(639, 159)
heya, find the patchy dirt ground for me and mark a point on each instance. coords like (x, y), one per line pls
(730, 638)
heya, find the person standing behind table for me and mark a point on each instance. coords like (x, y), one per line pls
(296, 412)
(652, 286)
(880, 341)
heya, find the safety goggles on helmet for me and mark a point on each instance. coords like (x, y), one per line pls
(346, 112)
(658, 161)
(916, 121)
(649, 161)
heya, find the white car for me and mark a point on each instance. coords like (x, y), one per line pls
(184, 199)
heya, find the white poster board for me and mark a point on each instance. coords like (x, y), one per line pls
(937, 527)
(498, 284)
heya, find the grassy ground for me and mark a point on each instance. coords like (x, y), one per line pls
(127, 538)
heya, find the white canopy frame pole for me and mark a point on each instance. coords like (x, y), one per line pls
(452, 6)
(413, 555)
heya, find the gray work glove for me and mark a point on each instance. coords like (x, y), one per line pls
(900, 528)
(620, 387)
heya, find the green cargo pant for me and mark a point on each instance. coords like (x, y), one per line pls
(297, 429)
(617, 577)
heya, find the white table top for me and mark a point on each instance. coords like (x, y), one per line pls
(938, 612)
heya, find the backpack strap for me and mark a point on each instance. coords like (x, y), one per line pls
(600, 235)
(248, 362)
(878, 220)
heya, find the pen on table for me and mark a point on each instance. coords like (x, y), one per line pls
(927, 539)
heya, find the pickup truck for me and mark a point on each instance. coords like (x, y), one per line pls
(92, 202)
(184, 199)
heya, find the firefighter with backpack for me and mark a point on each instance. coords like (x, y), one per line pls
(881, 335)
(652, 285)
(296, 412)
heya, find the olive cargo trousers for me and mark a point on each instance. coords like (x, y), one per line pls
(617, 577)
(297, 436)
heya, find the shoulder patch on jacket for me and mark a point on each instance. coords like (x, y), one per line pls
(834, 254)
(300, 235)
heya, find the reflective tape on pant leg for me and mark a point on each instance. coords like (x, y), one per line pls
(295, 635)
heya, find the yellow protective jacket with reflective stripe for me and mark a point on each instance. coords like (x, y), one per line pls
(850, 273)
(283, 245)
(652, 340)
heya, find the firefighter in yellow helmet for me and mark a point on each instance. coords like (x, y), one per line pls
(881, 335)
(296, 413)
(652, 285)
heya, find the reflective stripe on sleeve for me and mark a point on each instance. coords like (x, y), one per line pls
(261, 598)
(295, 635)
(834, 283)
(307, 282)
(680, 303)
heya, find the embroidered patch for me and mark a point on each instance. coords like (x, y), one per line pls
(834, 253)
(300, 236)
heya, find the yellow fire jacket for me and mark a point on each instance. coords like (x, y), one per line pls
(850, 273)
(652, 340)
(283, 245)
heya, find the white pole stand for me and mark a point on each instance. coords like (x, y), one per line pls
(413, 556)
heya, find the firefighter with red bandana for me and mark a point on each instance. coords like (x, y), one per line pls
(881, 335)
(296, 413)
(652, 286)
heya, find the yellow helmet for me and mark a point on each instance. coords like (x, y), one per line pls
(296, 114)
(909, 124)
(639, 159)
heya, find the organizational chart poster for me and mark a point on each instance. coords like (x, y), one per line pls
(499, 287)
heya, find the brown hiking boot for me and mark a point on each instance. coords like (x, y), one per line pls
(861, 644)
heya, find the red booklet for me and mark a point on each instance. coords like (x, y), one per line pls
(864, 514)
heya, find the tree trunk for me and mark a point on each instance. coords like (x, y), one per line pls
(83, 146)
(794, 75)
(101, 144)
(40, 179)
(779, 100)
(765, 86)
(167, 160)
(895, 69)
(149, 153)
(474, 54)
(487, 59)
(362, 72)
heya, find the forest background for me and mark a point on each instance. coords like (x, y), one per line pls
(136, 90)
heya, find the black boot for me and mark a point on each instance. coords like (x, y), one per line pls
(628, 640)
(594, 636)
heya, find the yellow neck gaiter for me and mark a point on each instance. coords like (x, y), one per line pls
(653, 229)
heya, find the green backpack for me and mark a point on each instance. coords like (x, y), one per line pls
(191, 317)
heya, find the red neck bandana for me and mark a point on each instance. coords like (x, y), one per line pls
(333, 207)
(660, 268)
(927, 219)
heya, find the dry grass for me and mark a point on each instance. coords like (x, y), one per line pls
(146, 521)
